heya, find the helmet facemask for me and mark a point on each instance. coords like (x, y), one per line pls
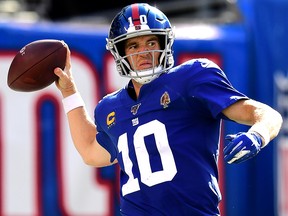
(166, 60)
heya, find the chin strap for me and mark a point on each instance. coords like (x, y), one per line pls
(146, 76)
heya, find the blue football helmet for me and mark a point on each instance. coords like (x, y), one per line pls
(139, 20)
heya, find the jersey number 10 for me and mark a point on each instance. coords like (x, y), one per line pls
(148, 177)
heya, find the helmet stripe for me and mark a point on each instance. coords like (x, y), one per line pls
(135, 14)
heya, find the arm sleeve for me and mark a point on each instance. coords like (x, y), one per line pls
(103, 138)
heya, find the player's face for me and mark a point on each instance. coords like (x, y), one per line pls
(137, 48)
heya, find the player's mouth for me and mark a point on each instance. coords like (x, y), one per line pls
(145, 65)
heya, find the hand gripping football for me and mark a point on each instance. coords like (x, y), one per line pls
(33, 66)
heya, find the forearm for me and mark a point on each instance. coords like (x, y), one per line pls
(83, 132)
(267, 123)
(82, 128)
(257, 115)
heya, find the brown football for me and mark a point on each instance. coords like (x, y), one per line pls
(33, 66)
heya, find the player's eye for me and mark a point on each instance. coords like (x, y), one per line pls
(152, 43)
(131, 47)
(134, 46)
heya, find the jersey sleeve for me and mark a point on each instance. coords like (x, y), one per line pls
(102, 137)
(211, 86)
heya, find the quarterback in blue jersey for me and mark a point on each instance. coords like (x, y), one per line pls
(163, 128)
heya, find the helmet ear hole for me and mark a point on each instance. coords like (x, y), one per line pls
(121, 48)
(162, 41)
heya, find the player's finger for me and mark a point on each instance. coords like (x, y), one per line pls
(230, 137)
(64, 81)
(231, 158)
(59, 72)
(243, 158)
(232, 146)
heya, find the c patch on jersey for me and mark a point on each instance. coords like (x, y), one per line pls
(110, 120)
(165, 99)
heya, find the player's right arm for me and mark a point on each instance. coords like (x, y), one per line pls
(82, 128)
(83, 132)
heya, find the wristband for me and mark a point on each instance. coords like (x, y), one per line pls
(263, 132)
(73, 101)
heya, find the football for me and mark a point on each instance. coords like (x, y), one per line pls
(33, 66)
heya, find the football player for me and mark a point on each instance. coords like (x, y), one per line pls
(163, 128)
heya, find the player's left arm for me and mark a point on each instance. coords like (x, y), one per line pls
(265, 125)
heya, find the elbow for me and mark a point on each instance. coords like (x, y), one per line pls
(87, 161)
(96, 161)
(93, 154)
(280, 121)
(91, 162)
(275, 125)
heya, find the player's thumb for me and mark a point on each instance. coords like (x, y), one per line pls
(57, 71)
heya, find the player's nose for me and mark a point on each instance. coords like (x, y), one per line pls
(143, 48)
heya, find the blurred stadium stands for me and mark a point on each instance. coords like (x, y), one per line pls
(208, 11)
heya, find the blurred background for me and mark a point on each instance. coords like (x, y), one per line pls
(53, 10)
(41, 172)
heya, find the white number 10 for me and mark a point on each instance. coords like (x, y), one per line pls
(143, 20)
(148, 177)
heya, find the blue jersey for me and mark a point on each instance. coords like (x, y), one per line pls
(167, 140)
